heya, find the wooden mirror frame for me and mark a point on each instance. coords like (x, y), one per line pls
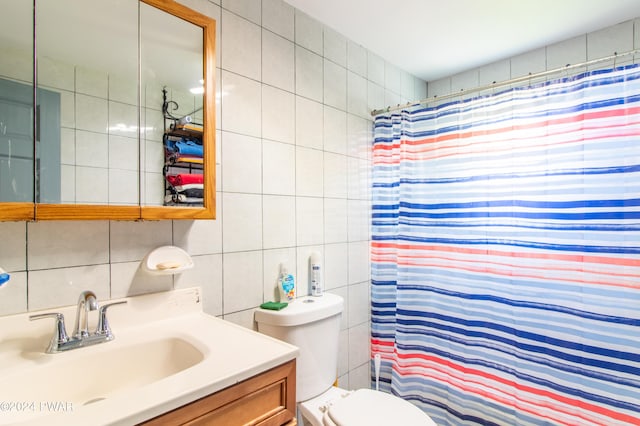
(11, 211)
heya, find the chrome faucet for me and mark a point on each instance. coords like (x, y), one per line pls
(81, 336)
(86, 302)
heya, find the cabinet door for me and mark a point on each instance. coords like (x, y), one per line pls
(268, 399)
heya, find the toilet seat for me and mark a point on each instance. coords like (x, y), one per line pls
(373, 408)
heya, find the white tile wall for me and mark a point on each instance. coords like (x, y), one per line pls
(335, 47)
(279, 214)
(309, 175)
(240, 46)
(277, 16)
(293, 157)
(278, 168)
(309, 74)
(619, 38)
(241, 163)
(309, 124)
(308, 32)
(278, 114)
(278, 61)
(334, 130)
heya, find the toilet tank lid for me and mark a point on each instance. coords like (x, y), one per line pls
(302, 310)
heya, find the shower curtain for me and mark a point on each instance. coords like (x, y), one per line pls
(506, 254)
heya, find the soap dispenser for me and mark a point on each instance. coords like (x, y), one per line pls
(286, 285)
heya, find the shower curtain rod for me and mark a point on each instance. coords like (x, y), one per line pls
(494, 85)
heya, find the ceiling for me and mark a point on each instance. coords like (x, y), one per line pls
(432, 39)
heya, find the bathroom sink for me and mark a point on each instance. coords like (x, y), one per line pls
(73, 379)
(167, 353)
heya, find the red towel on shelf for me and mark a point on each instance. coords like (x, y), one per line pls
(185, 179)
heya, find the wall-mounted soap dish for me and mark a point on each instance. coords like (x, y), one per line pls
(167, 260)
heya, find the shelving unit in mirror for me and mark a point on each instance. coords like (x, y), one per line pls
(183, 153)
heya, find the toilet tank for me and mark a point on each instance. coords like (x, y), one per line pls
(313, 325)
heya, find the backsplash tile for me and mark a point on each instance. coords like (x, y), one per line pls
(13, 250)
(13, 295)
(207, 274)
(61, 286)
(200, 237)
(63, 244)
(128, 279)
(132, 241)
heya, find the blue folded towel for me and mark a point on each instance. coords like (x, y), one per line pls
(188, 147)
(170, 144)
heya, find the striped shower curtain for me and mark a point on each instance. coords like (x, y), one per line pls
(506, 254)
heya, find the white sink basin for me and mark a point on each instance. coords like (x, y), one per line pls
(166, 354)
(87, 376)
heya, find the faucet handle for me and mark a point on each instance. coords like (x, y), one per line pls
(59, 332)
(103, 328)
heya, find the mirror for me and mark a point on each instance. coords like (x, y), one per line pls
(172, 103)
(116, 118)
(16, 111)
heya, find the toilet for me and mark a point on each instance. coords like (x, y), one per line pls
(313, 325)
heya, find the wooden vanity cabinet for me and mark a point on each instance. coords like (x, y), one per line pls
(268, 399)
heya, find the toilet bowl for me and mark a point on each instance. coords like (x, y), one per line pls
(313, 325)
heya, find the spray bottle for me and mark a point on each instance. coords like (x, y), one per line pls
(315, 272)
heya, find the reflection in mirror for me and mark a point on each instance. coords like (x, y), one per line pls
(16, 102)
(172, 109)
(91, 151)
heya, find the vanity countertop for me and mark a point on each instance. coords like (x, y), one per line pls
(38, 388)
